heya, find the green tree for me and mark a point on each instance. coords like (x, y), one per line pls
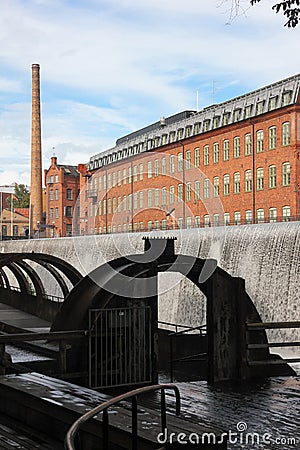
(21, 198)
(289, 8)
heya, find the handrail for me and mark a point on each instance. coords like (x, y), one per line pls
(71, 434)
(200, 328)
(53, 298)
(271, 325)
(49, 336)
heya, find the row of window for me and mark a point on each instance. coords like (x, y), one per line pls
(165, 196)
(190, 130)
(54, 212)
(54, 194)
(207, 221)
(175, 162)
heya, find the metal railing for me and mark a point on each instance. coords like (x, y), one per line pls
(73, 431)
(61, 336)
(53, 298)
(195, 357)
(269, 326)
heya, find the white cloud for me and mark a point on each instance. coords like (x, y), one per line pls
(110, 67)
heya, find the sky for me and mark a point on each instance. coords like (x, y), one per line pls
(110, 67)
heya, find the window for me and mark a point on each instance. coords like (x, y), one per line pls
(69, 194)
(286, 174)
(180, 133)
(188, 192)
(150, 225)
(286, 98)
(206, 125)
(260, 216)
(119, 204)
(180, 222)
(197, 221)
(206, 188)
(15, 230)
(172, 165)
(236, 115)
(164, 139)
(141, 199)
(130, 202)
(179, 162)
(286, 134)
(57, 213)
(206, 221)
(156, 224)
(248, 181)
(259, 141)
(114, 181)
(68, 211)
(197, 157)
(286, 213)
(236, 147)
(237, 182)
(124, 203)
(119, 177)
(272, 214)
(226, 219)
(272, 138)
(272, 177)
(156, 197)
(141, 172)
(216, 186)
(272, 103)
(109, 206)
(226, 117)
(149, 169)
(124, 177)
(216, 220)
(164, 196)
(259, 179)
(237, 218)
(51, 194)
(206, 155)
(156, 168)
(172, 136)
(197, 190)
(260, 107)
(216, 122)
(141, 226)
(108, 181)
(248, 110)
(51, 213)
(226, 180)
(248, 216)
(135, 200)
(180, 192)
(156, 142)
(172, 194)
(104, 206)
(163, 166)
(226, 150)
(149, 197)
(247, 144)
(197, 128)
(188, 160)
(189, 222)
(135, 175)
(149, 144)
(216, 152)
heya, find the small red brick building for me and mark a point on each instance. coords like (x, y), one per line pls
(62, 188)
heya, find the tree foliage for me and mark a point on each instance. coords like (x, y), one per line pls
(21, 198)
(289, 8)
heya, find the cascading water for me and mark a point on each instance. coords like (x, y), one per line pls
(265, 255)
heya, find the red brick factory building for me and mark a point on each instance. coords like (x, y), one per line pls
(231, 163)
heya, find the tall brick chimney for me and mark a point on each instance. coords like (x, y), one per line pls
(36, 205)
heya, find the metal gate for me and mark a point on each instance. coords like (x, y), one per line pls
(120, 344)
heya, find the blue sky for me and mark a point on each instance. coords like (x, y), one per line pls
(109, 67)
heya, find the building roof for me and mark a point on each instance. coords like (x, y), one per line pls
(69, 170)
(190, 123)
(22, 211)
